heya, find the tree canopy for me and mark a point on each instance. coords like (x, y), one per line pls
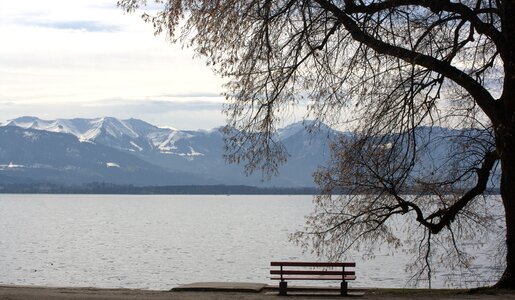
(386, 69)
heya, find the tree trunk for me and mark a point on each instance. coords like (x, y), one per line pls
(505, 140)
(505, 144)
(507, 280)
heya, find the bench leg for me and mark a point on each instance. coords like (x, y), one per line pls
(343, 288)
(283, 285)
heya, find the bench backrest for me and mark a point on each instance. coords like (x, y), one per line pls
(311, 264)
(319, 269)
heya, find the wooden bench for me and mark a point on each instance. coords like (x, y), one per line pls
(312, 271)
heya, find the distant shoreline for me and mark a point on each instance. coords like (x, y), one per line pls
(116, 189)
(113, 189)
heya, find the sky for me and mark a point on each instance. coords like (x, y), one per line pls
(87, 58)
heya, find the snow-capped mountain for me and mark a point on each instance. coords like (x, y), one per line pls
(62, 158)
(136, 152)
(196, 152)
(128, 135)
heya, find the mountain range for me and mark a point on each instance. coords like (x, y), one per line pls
(132, 151)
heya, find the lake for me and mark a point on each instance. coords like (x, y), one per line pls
(158, 242)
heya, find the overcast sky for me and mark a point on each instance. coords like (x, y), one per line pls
(86, 58)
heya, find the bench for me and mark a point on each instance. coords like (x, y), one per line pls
(287, 271)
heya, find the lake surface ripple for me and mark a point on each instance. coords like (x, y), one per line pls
(158, 242)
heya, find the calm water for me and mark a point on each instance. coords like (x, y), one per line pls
(158, 242)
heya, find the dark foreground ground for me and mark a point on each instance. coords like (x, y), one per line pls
(44, 293)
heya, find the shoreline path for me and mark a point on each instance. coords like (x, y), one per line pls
(47, 293)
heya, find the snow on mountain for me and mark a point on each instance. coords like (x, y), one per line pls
(59, 125)
(122, 146)
(108, 126)
(200, 152)
(87, 129)
(129, 135)
(61, 158)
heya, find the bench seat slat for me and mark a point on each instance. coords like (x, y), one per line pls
(339, 278)
(312, 264)
(311, 272)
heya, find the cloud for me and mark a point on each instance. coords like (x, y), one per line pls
(59, 57)
(84, 25)
(191, 114)
(157, 106)
(192, 95)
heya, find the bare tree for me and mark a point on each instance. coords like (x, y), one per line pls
(393, 66)
(383, 181)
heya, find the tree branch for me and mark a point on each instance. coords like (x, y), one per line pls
(483, 98)
(435, 6)
(447, 215)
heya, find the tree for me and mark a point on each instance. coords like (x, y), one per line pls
(393, 66)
